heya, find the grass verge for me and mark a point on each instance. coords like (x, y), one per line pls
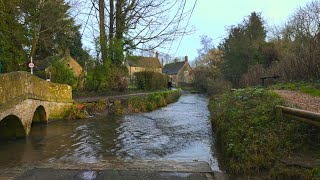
(253, 142)
(153, 101)
(311, 88)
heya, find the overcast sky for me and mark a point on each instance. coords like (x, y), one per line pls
(211, 17)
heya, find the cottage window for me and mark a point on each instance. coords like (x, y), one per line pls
(186, 73)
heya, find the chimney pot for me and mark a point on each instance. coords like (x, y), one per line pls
(186, 59)
(157, 55)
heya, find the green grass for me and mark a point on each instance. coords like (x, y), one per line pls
(153, 101)
(311, 88)
(252, 140)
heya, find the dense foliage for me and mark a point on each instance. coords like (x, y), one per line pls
(104, 77)
(60, 73)
(149, 80)
(246, 54)
(37, 29)
(243, 47)
(290, 52)
(253, 140)
(207, 75)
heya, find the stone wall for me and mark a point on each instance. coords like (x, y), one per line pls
(17, 86)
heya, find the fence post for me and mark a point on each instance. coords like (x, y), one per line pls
(278, 113)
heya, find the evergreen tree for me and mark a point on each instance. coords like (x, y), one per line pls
(12, 36)
(242, 47)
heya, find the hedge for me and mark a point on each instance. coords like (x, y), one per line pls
(149, 80)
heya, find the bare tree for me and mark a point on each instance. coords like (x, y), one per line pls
(136, 24)
(103, 36)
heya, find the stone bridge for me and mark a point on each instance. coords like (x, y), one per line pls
(26, 99)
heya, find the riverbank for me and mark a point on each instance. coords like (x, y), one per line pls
(120, 104)
(253, 142)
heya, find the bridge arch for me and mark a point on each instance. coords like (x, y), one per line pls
(40, 115)
(11, 127)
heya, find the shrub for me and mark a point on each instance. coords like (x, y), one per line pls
(149, 80)
(117, 108)
(246, 130)
(60, 73)
(218, 86)
(136, 104)
(77, 111)
(252, 140)
(210, 83)
(96, 107)
(107, 78)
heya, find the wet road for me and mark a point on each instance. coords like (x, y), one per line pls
(180, 132)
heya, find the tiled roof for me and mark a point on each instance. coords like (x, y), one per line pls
(173, 68)
(146, 62)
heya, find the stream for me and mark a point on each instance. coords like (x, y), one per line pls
(180, 132)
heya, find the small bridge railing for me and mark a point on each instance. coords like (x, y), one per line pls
(298, 114)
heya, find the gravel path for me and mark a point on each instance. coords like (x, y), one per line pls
(304, 101)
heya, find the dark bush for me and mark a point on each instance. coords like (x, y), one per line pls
(107, 78)
(149, 80)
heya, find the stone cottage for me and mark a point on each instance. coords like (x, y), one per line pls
(72, 64)
(140, 63)
(43, 68)
(180, 73)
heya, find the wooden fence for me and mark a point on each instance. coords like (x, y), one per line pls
(298, 114)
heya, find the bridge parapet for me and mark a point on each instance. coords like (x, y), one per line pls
(17, 86)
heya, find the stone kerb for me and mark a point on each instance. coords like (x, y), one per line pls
(17, 86)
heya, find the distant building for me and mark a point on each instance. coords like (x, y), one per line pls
(140, 63)
(72, 64)
(44, 65)
(43, 68)
(180, 73)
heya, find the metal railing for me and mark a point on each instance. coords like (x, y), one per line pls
(298, 114)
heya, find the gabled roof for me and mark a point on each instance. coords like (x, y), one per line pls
(43, 64)
(173, 68)
(146, 62)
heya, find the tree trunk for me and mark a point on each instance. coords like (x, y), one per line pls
(103, 36)
(111, 30)
(35, 38)
(119, 20)
(118, 44)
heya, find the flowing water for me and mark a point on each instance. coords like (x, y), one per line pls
(181, 132)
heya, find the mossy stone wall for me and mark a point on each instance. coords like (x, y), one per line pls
(22, 85)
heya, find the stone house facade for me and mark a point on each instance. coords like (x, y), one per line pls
(180, 73)
(73, 64)
(140, 63)
(43, 69)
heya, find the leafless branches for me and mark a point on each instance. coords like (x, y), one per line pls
(141, 23)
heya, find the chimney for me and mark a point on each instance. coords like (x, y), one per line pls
(186, 59)
(157, 55)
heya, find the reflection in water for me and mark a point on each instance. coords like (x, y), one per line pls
(180, 131)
